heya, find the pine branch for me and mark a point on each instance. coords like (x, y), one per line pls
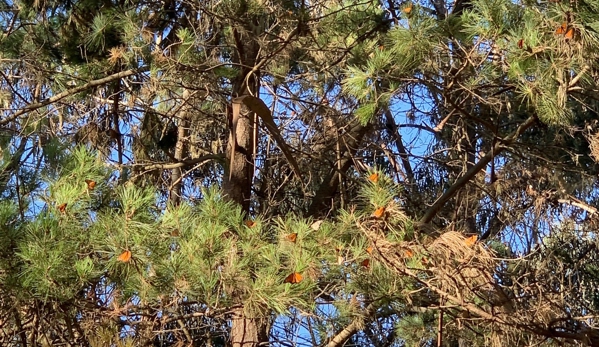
(67, 93)
(168, 166)
(341, 337)
(499, 147)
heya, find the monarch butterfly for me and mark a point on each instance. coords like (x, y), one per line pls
(365, 263)
(293, 278)
(569, 34)
(374, 178)
(90, 184)
(470, 241)
(125, 257)
(292, 237)
(379, 212)
(562, 28)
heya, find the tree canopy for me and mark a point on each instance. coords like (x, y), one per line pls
(299, 173)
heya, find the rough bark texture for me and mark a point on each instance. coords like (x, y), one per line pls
(248, 331)
(321, 203)
(239, 182)
(176, 173)
(245, 331)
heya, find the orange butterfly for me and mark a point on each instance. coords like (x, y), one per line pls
(470, 241)
(292, 237)
(569, 34)
(408, 253)
(408, 9)
(562, 28)
(365, 263)
(90, 184)
(250, 223)
(379, 212)
(369, 249)
(374, 178)
(125, 257)
(62, 207)
(295, 277)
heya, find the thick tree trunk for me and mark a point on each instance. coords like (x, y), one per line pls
(238, 183)
(245, 331)
(248, 331)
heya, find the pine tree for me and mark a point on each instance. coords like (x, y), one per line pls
(327, 173)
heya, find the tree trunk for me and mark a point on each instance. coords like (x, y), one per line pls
(176, 173)
(245, 331)
(248, 331)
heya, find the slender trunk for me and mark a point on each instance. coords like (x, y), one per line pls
(176, 173)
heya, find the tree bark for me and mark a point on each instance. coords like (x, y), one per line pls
(329, 186)
(248, 331)
(245, 331)
(176, 173)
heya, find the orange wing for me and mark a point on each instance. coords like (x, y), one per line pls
(408, 253)
(249, 223)
(90, 184)
(365, 263)
(369, 249)
(292, 237)
(470, 241)
(295, 277)
(408, 9)
(569, 34)
(562, 28)
(62, 207)
(374, 178)
(379, 212)
(125, 257)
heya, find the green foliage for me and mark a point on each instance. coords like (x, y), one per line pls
(204, 252)
(416, 329)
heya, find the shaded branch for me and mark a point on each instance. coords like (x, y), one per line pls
(168, 166)
(70, 92)
(330, 183)
(499, 147)
(342, 336)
